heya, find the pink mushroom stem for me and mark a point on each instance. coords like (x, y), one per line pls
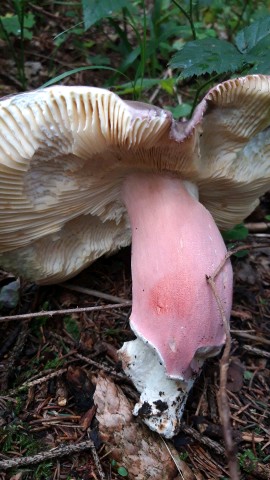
(175, 244)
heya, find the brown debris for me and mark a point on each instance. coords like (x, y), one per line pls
(131, 444)
(235, 376)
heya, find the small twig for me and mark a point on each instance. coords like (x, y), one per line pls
(97, 460)
(47, 14)
(95, 293)
(258, 226)
(235, 250)
(89, 360)
(175, 459)
(248, 336)
(204, 440)
(51, 313)
(156, 91)
(40, 380)
(223, 404)
(100, 366)
(54, 453)
(257, 351)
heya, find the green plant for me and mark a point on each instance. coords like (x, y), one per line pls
(183, 456)
(213, 58)
(122, 471)
(71, 327)
(17, 436)
(143, 38)
(247, 461)
(43, 470)
(18, 24)
(237, 233)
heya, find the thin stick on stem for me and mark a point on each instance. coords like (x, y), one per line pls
(223, 404)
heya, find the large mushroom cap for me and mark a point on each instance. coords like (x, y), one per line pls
(64, 152)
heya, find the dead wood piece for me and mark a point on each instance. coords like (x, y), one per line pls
(215, 446)
(40, 457)
(38, 381)
(131, 444)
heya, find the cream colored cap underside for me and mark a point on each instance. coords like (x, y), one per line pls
(65, 151)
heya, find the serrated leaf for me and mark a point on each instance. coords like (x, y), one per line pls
(250, 36)
(207, 56)
(259, 56)
(95, 10)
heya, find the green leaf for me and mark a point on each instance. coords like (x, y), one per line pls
(237, 233)
(167, 84)
(267, 217)
(248, 375)
(241, 253)
(207, 56)
(141, 84)
(250, 36)
(61, 77)
(12, 26)
(259, 56)
(122, 471)
(71, 327)
(95, 10)
(183, 110)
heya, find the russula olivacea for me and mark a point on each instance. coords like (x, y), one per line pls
(82, 172)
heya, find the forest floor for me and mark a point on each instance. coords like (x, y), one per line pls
(50, 365)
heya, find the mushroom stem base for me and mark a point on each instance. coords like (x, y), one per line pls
(162, 399)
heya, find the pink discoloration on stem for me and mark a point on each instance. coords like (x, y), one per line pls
(175, 244)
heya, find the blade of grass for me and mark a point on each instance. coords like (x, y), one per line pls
(76, 70)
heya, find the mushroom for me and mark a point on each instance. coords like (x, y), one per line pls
(83, 171)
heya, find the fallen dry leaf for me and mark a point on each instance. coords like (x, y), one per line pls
(81, 388)
(131, 444)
